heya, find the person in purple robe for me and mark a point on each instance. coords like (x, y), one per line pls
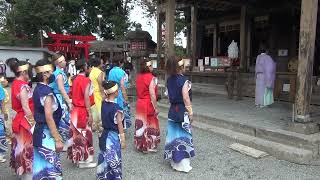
(265, 77)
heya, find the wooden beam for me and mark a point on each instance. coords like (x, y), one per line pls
(215, 20)
(207, 4)
(161, 8)
(308, 23)
(159, 35)
(249, 34)
(187, 14)
(179, 6)
(170, 21)
(215, 39)
(243, 38)
(238, 3)
(194, 19)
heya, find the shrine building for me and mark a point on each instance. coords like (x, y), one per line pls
(290, 28)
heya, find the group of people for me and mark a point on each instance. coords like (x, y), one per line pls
(55, 117)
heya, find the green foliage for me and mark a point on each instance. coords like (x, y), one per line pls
(78, 17)
(29, 16)
(150, 7)
(180, 51)
(4, 7)
(181, 23)
(150, 10)
(7, 39)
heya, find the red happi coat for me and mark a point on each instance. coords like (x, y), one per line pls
(147, 131)
(78, 100)
(19, 119)
(144, 99)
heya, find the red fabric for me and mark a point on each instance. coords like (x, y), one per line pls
(19, 119)
(79, 117)
(82, 147)
(79, 85)
(70, 93)
(21, 156)
(150, 138)
(144, 100)
(92, 100)
(146, 118)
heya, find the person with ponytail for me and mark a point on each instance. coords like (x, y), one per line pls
(47, 141)
(147, 131)
(112, 138)
(22, 104)
(81, 152)
(179, 147)
(61, 88)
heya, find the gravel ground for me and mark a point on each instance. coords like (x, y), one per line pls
(214, 160)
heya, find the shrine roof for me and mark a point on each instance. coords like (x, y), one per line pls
(109, 45)
(231, 5)
(17, 48)
(139, 34)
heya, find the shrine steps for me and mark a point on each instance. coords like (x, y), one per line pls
(282, 144)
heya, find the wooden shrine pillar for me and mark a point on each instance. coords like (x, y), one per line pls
(188, 41)
(303, 123)
(194, 23)
(159, 36)
(215, 39)
(170, 21)
(187, 14)
(111, 54)
(248, 47)
(243, 38)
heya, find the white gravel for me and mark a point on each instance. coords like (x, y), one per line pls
(214, 160)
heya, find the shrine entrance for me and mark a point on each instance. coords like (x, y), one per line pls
(72, 46)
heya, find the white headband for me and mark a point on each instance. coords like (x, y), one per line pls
(148, 63)
(181, 63)
(111, 90)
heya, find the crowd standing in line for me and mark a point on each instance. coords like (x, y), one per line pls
(48, 121)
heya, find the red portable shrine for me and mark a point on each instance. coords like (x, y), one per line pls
(72, 46)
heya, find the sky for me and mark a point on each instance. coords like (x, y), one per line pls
(137, 16)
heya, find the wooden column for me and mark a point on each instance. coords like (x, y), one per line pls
(188, 30)
(111, 54)
(249, 34)
(194, 19)
(170, 21)
(215, 40)
(159, 36)
(243, 38)
(188, 41)
(308, 22)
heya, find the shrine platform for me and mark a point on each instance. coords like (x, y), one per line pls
(265, 129)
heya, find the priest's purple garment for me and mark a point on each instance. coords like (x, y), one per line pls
(265, 77)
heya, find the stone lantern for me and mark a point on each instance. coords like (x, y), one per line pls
(141, 46)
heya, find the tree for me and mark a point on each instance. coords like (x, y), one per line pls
(181, 23)
(180, 52)
(4, 7)
(115, 21)
(78, 17)
(150, 7)
(29, 16)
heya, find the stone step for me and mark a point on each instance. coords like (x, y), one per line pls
(278, 150)
(308, 142)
